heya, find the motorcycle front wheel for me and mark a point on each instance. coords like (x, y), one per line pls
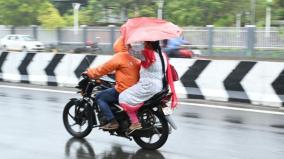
(77, 118)
(157, 122)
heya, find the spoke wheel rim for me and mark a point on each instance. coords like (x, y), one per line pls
(152, 122)
(78, 123)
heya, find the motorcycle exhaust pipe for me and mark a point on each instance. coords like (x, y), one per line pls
(171, 121)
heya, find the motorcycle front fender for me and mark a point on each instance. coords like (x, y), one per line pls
(74, 100)
(78, 101)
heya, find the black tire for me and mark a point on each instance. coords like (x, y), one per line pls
(82, 115)
(164, 131)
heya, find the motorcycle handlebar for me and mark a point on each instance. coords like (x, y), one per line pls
(85, 76)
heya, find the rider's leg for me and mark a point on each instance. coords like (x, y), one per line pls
(135, 124)
(103, 98)
(133, 117)
(132, 113)
(131, 108)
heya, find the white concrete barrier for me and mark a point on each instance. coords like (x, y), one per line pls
(255, 82)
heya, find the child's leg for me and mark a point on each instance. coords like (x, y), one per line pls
(131, 108)
(135, 124)
(131, 112)
(133, 117)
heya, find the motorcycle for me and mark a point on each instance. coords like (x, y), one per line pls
(179, 53)
(89, 47)
(81, 115)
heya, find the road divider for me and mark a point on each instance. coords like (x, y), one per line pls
(254, 82)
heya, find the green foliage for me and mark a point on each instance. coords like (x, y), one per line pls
(205, 12)
(49, 17)
(68, 19)
(90, 14)
(20, 12)
(98, 11)
(278, 9)
(62, 7)
(227, 20)
(147, 9)
(102, 12)
(281, 30)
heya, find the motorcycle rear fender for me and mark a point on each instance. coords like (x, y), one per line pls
(158, 106)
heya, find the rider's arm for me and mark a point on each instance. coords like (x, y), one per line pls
(106, 68)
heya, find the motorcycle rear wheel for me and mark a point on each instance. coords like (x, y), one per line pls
(78, 115)
(162, 130)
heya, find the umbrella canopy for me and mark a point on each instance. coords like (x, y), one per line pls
(148, 29)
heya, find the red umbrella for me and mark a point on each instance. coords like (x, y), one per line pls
(148, 29)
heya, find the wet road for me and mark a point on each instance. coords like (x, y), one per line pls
(31, 127)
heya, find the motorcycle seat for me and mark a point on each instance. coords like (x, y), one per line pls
(157, 97)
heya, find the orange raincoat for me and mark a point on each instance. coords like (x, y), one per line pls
(126, 67)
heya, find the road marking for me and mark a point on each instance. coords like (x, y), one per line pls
(37, 89)
(233, 108)
(190, 104)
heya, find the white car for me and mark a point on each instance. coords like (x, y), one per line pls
(17, 42)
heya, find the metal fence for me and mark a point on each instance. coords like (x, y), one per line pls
(211, 39)
(246, 41)
(236, 37)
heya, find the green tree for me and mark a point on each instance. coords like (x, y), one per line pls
(146, 8)
(20, 12)
(97, 12)
(62, 6)
(89, 14)
(49, 17)
(278, 9)
(201, 13)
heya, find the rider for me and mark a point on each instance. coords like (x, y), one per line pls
(150, 83)
(126, 69)
(173, 46)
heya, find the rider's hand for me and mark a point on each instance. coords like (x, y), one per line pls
(90, 73)
(85, 74)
